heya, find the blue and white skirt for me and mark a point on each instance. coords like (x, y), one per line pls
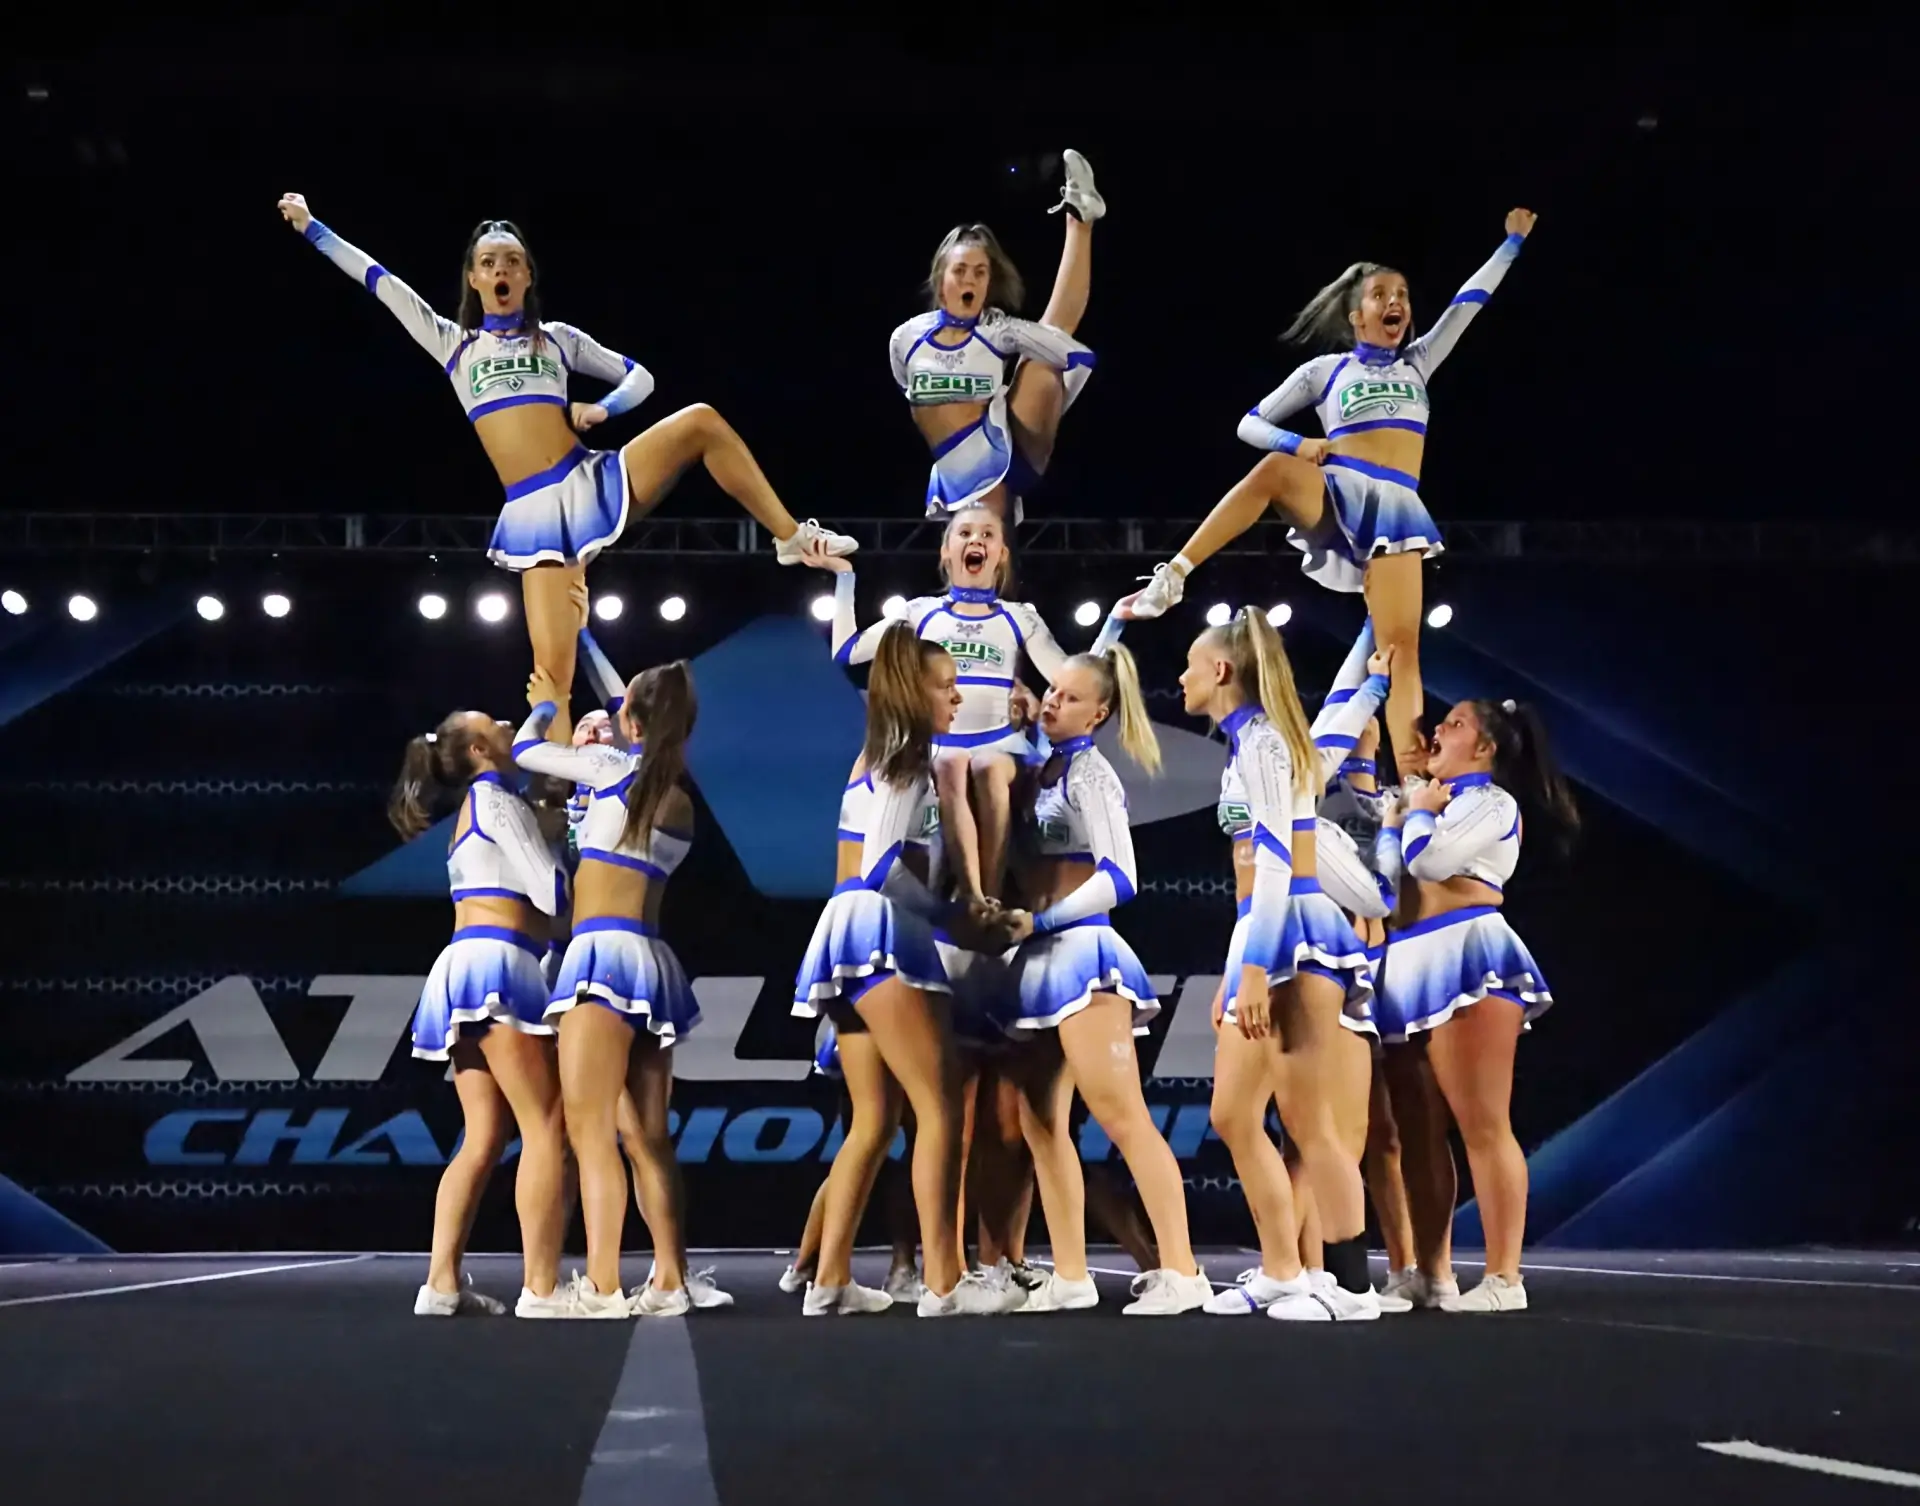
(563, 515)
(1057, 973)
(1312, 935)
(1440, 966)
(969, 464)
(624, 965)
(1370, 510)
(486, 974)
(983, 994)
(863, 939)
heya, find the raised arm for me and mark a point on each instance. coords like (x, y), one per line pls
(850, 644)
(1427, 352)
(1357, 693)
(596, 765)
(440, 338)
(1437, 847)
(1094, 790)
(631, 381)
(1299, 392)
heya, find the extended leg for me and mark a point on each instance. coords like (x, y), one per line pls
(1393, 591)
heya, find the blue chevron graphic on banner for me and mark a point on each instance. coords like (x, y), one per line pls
(29, 1227)
(41, 663)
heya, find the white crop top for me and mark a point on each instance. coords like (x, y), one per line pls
(977, 369)
(1477, 836)
(1374, 386)
(1082, 817)
(501, 854)
(895, 815)
(986, 650)
(856, 808)
(496, 366)
(608, 773)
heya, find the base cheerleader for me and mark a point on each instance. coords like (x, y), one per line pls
(564, 503)
(1457, 975)
(1352, 500)
(484, 1004)
(992, 436)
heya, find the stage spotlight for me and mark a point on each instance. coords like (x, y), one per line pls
(14, 603)
(894, 608)
(673, 608)
(1087, 613)
(433, 606)
(210, 608)
(491, 607)
(1219, 614)
(274, 604)
(82, 608)
(608, 607)
(822, 608)
(1440, 616)
(1279, 614)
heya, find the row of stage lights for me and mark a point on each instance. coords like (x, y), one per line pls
(494, 607)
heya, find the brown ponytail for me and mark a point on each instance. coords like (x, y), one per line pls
(899, 747)
(662, 701)
(437, 764)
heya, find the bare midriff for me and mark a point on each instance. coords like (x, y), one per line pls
(524, 441)
(607, 891)
(1395, 449)
(507, 914)
(1047, 881)
(1423, 899)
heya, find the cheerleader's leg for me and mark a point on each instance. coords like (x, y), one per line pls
(849, 1184)
(992, 776)
(657, 1186)
(554, 598)
(1472, 1056)
(1394, 596)
(523, 1066)
(1243, 1086)
(1046, 1104)
(1426, 1157)
(486, 1124)
(1381, 1168)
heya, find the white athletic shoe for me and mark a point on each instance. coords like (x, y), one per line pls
(903, 1283)
(787, 551)
(1163, 1293)
(847, 1301)
(1423, 1291)
(702, 1290)
(465, 1302)
(1494, 1294)
(1254, 1291)
(973, 1296)
(1163, 589)
(1334, 1302)
(1078, 195)
(558, 1303)
(650, 1301)
(1056, 1294)
(1397, 1291)
(1028, 1276)
(575, 1298)
(792, 1281)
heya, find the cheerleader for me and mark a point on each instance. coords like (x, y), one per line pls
(505, 884)
(1081, 993)
(1455, 971)
(564, 503)
(637, 830)
(1352, 500)
(872, 965)
(992, 438)
(1297, 984)
(975, 763)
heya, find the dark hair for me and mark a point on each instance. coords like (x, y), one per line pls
(1006, 289)
(1324, 323)
(662, 701)
(1524, 766)
(899, 746)
(438, 764)
(471, 314)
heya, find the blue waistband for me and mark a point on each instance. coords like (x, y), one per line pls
(1304, 884)
(1378, 472)
(616, 923)
(1441, 922)
(1244, 908)
(502, 933)
(620, 860)
(970, 739)
(558, 471)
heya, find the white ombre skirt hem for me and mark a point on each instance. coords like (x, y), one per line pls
(1441, 966)
(1057, 974)
(1313, 935)
(486, 975)
(624, 965)
(863, 939)
(563, 515)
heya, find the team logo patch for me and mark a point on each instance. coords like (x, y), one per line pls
(510, 372)
(975, 655)
(1357, 398)
(949, 387)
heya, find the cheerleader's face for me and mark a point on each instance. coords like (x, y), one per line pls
(1385, 312)
(943, 693)
(1208, 674)
(1072, 705)
(490, 743)
(500, 274)
(975, 549)
(594, 727)
(1460, 745)
(964, 282)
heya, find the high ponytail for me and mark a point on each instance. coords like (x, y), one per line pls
(662, 701)
(1524, 766)
(437, 764)
(1323, 324)
(899, 746)
(1263, 674)
(1120, 693)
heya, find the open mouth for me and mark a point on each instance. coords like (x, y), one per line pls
(1394, 323)
(966, 300)
(500, 292)
(974, 558)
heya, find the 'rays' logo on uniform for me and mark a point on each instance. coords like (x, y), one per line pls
(949, 387)
(929, 822)
(977, 655)
(1234, 815)
(1370, 397)
(511, 372)
(1055, 831)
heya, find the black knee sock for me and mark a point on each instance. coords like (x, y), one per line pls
(1347, 1263)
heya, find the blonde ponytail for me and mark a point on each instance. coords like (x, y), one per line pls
(1260, 660)
(1130, 705)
